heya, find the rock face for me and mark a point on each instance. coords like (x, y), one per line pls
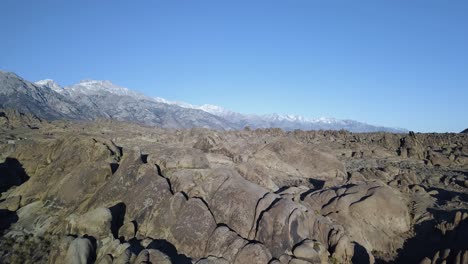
(311, 251)
(374, 215)
(96, 222)
(298, 162)
(80, 251)
(111, 192)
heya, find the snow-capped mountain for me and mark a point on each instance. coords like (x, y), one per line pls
(287, 122)
(93, 87)
(50, 84)
(91, 99)
(212, 109)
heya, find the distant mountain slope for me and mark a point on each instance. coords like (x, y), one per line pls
(465, 131)
(286, 122)
(17, 93)
(105, 99)
(91, 99)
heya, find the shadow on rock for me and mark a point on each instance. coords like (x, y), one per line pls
(12, 174)
(118, 215)
(7, 218)
(170, 250)
(360, 254)
(92, 257)
(445, 195)
(429, 239)
(318, 184)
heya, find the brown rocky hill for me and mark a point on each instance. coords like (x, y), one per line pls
(113, 192)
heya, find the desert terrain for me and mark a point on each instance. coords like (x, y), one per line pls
(116, 192)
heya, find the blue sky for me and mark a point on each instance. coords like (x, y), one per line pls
(393, 63)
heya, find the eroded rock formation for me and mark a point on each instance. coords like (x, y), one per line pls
(109, 192)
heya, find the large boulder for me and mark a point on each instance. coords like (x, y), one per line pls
(96, 223)
(177, 158)
(66, 170)
(234, 201)
(186, 223)
(80, 251)
(253, 253)
(136, 185)
(288, 163)
(231, 198)
(311, 251)
(225, 243)
(373, 214)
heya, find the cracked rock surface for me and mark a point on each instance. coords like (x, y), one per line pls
(113, 192)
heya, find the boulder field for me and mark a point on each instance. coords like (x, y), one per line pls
(112, 192)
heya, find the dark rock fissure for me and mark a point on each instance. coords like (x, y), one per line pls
(263, 212)
(12, 174)
(118, 216)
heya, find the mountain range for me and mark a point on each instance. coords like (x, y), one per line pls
(92, 99)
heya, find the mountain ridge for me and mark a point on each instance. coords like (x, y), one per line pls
(92, 99)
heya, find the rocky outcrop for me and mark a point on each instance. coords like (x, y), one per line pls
(311, 251)
(373, 214)
(97, 223)
(300, 163)
(13, 119)
(115, 193)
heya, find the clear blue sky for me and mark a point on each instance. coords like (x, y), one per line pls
(393, 63)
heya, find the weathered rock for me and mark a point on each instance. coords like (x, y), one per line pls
(67, 169)
(425, 261)
(124, 258)
(11, 203)
(95, 223)
(299, 261)
(106, 259)
(206, 143)
(257, 174)
(143, 257)
(127, 231)
(59, 250)
(80, 251)
(156, 256)
(111, 246)
(178, 158)
(300, 162)
(234, 201)
(239, 196)
(286, 223)
(311, 251)
(212, 260)
(253, 253)
(224, 243)
(373, 214)
(187, 224)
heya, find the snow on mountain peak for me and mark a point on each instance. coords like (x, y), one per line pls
(97, 84)
(89, 87)
(214, 109)
(49, 83)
